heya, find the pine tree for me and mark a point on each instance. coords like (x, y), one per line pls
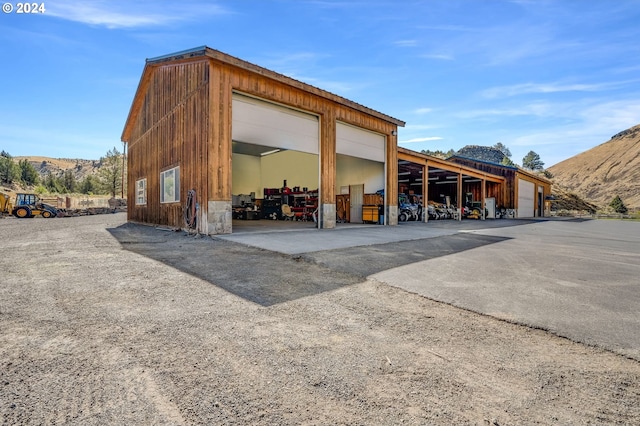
(54, 183)
(503, 149)
(532, 161)
(88, 185)
(110, 174)
(506, 161)
(28, 173)
(618, 206)
(69, 180)
(9, 170)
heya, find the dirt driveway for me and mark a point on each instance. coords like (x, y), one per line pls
(102, 322)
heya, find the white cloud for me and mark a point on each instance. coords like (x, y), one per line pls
(406, 43)
(612, 116)
(539, 109)
(115, 14)
(532, 88)
(438, 56)
(427, 139)
(590, 126)
(421, 111)
(420, 127)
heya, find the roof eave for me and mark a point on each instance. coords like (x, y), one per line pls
(133, 111)
(248, 66)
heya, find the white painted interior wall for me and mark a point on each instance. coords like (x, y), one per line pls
(246, 172)
(298, 168)
(354, 171)
(253, 174)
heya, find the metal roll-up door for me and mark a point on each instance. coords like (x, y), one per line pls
(263, 123)
(526, 197)
(359, 143)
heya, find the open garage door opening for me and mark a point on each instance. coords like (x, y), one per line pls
(360, 175)
(275, 165)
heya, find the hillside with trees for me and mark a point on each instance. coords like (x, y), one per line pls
(44, 175)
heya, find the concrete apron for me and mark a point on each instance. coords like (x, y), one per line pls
(298, 241)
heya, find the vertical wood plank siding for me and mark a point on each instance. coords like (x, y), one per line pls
(510, 187)
(507, 200)
(170, 130)
(219, 142)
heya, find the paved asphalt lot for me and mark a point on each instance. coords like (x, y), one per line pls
(579, 279)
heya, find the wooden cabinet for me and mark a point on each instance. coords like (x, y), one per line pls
(370, 214)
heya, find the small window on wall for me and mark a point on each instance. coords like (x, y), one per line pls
(170, 186)
(141, 192)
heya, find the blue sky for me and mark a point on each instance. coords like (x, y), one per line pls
(554, 76)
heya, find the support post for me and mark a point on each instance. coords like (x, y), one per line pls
(483, 194)
(460, 195)
(327, 206)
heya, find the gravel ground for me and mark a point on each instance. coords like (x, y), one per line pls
(103, 322)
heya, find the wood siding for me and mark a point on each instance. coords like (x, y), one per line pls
(508, 198)
(170, 131)
(510, 187)
(493, 190)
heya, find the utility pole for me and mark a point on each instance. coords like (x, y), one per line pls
(124, 156)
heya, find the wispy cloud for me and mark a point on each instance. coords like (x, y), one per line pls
(453, 28)
(540, 109)
(533, 88)
(406, 43)
(422, 111)
(298, 66)
(125, 14)
(427, 139)
(415, 127)
(438, 56)
(281, 60)
(585, 127)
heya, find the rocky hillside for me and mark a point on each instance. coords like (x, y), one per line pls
(58, 166)
(601, 173)
(482, 153)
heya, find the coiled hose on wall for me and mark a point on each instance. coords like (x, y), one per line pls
(190, 210)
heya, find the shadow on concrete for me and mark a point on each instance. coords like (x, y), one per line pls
(268, 278)
(367, 260)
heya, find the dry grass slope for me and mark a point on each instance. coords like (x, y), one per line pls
(601, 173)
(58, 166)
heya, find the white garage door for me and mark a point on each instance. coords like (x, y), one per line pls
(359, 143)
(263, 123)
(526, 195)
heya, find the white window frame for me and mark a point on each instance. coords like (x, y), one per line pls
(141, 192)
(170, 186)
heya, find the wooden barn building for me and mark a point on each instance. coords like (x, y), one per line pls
(235, 137)
(212, 139)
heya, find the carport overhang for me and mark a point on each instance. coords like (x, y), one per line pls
(438, 170)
